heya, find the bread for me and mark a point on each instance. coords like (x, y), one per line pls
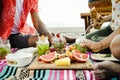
(96, 17)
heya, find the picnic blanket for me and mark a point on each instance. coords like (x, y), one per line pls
(16, 73)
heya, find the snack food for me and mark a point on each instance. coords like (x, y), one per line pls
(48, 57)
(63, 62)
(96, 17)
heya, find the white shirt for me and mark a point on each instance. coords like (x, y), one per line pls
(19, 7)
(115, 22)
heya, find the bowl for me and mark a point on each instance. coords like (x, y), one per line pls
(19, 60)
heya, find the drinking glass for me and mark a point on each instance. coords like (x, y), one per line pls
(78, 42)
(5, 48)
(59, 44)
(42, 45)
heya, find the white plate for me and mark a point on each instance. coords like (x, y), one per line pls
(19, 60)
(102, 57)
(31, 50)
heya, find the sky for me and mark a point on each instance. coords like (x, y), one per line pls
(60, 13)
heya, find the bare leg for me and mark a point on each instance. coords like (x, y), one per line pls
(106, 70)
(115, 47)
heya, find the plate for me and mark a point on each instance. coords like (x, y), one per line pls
(102, 57)
(27, 50)
(19, 60)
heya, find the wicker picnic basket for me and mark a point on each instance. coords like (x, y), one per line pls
(100, 5)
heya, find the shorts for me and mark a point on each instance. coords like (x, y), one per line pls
(19, 40)
(100, 34)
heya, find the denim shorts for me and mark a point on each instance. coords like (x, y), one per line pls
(19, 40)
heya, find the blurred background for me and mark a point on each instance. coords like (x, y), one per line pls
(63, 15)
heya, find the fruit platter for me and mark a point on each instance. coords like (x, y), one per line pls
(72, 57)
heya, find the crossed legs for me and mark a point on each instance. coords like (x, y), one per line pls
(107, 69)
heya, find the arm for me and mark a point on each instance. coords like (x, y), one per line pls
(97, 20)
(98, 23)
(97, 16)
(107, 18)
(105, 43)
(39, 25)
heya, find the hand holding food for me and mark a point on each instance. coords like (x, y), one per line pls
(96, 18)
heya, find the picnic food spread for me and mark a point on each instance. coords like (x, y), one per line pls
(69, 54)
(58, 54)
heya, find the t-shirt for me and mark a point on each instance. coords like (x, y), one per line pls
(19, 4)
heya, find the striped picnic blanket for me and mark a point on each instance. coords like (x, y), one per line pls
(15, 73)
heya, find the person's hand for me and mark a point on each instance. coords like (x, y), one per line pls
(93, 46)
(96, 19)
(97, 23)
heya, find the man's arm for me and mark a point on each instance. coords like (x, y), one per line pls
(39, 25)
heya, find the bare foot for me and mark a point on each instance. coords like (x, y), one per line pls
(106, 70)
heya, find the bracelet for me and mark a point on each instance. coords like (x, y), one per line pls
(101, 45)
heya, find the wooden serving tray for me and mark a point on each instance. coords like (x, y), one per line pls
(42, 65)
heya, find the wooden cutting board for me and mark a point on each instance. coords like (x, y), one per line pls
(42, 65)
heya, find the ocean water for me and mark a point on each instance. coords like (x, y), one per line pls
(69, 31)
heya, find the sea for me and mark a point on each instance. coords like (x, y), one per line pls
(74, 32)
